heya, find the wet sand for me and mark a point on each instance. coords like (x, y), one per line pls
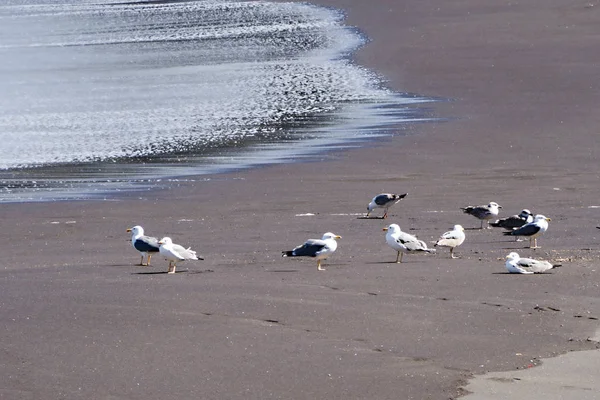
(81, 320)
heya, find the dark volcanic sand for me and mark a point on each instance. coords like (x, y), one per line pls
(81, 321)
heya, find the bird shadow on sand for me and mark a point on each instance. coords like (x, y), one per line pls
(381, 262)
(204, 271)
(158, 272)
(365, 217)
(282, 270)
(512, 273)
(520, 248)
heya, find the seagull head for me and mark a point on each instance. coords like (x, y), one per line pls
(493, 204)
(137, 230)
(513, 256)
(525, 213)
(392, 228)
(458, 228)
(540, 217)
(165, 240)
(330, 235)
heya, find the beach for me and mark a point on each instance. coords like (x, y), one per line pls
(519, 127)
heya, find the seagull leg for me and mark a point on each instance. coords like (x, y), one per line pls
(142, 260)
(399, 257)
(148, 260)
(319, 266)
(452, 252)
(171, 267)
(385, 214)
(481, 227)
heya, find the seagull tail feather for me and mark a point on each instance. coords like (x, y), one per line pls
(287, 253)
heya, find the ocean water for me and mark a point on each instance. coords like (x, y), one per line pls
(102, 96)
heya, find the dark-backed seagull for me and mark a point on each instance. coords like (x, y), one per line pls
(146, 245)
(532, 230)
(483, 213)
(316, 248)
(385, 201)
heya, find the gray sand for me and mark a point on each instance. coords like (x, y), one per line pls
(80, 320)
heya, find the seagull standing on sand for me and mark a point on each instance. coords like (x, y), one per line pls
(316, 248)
(483, 213)
(175, 253)
(452, 239)
(403, 242)
(146, 245)
(532, 230)
(517, 265)
(385, 201)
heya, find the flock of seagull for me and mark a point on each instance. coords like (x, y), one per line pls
(525, 224)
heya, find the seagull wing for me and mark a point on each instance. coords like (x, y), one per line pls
(183, 253)
(411, 242)
(383, 199)
(310, 248)
(146, 244)
(526, 230)
(534, 266)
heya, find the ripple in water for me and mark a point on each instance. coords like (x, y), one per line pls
(93, 95)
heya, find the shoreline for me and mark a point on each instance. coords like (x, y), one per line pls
(246, 323)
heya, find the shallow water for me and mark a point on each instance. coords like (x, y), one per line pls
(95, 95)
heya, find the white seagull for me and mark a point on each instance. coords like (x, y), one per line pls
(483, 213)
(146, 245)
(452, 239)
(403, 242)
(316, 248)
(175, 253)
(385, 201)
(532, 230)
(517, 265)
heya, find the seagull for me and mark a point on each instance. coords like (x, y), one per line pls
(385, 201)
(175, 253)
(146, 245)
(452, 239)
(317, 248)
(514, 221)
(532, 230)
(403, 242)
(483, 213)
(517, 265)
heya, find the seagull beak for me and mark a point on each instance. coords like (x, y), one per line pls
(161, 242)
(384, 229)
(548, 219)
(129, 230)
(338, 237)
